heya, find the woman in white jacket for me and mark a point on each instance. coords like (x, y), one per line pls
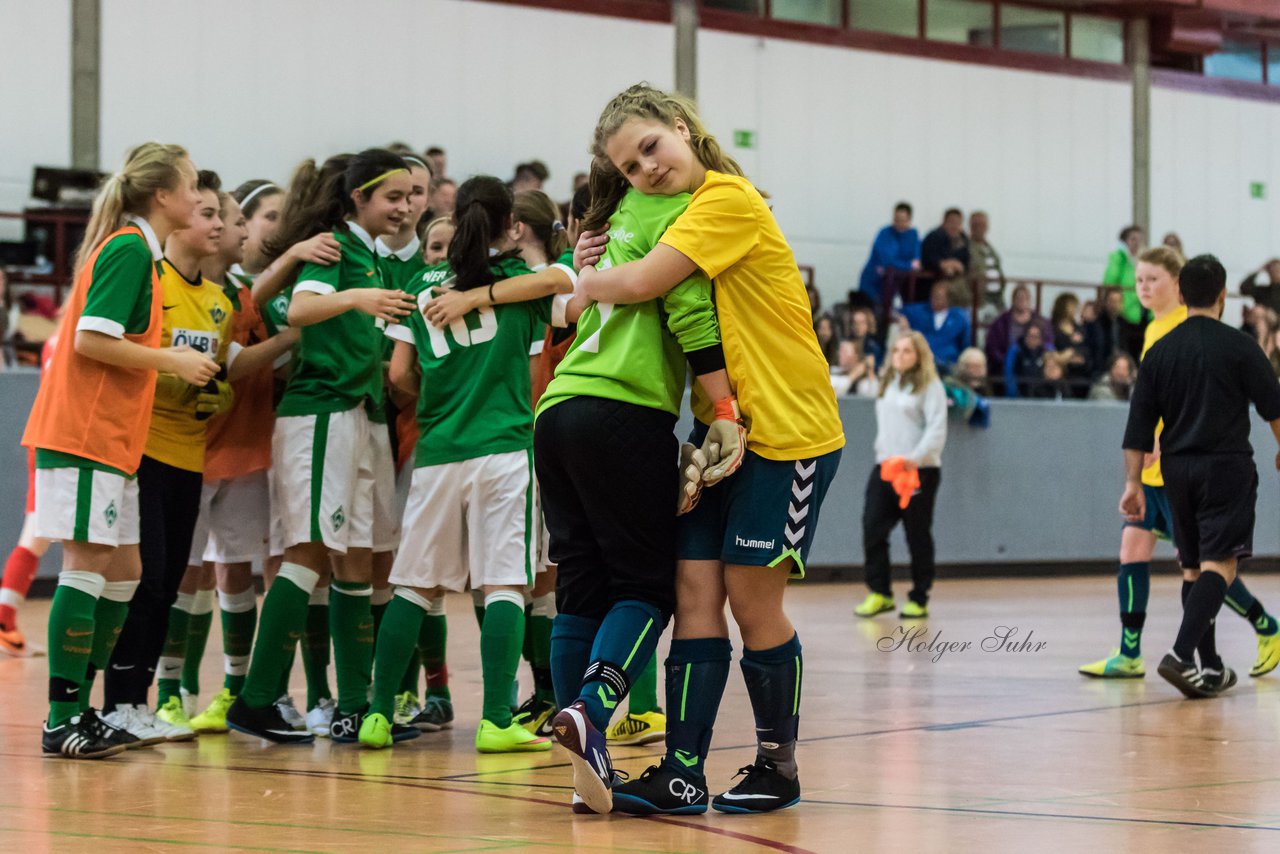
(911, 423)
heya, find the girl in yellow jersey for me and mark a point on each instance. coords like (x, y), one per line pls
(749, 534)
(88, 427)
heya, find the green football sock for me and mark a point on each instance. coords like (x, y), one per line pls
(397, 638)
(538, 631)
(169, 668)
(71, 637)
(109, 617)
(644, 691)
(316, 649)
(197, 639)
(284, 613)
(433, 640)
(351, 626)
(500, 642)
(409, 682)
(239, 619)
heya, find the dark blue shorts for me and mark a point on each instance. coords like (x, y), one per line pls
(1159, 518)
(761, 515)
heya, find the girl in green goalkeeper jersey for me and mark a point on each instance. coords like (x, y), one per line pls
(331, 452)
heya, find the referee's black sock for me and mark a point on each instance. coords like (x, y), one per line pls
(1208, 648)
(1203, 602)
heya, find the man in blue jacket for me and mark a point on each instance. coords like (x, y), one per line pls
(896, 248)
(947, 329)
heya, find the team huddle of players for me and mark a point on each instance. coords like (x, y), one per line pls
(379, 407)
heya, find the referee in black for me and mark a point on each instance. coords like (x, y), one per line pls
(1200, 378)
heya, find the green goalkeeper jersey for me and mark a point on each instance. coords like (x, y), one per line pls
(635, 353)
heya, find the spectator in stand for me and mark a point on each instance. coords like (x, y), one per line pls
(1117, 382)
(946, 329)
(529, 176)
(971, 371)
(443, 198)
(1122, 271)
(1024, 365)
(1267, 294)
(815, 304)
(895, 249)
(438, 161)
(1068, 344)
(858, 371)
(944, 254)
(828, 340)
(1102, 333)
(1053, 383)
(1010, 327)
(579, 181)
(1174, 242)
(862, 334)
(986, 275)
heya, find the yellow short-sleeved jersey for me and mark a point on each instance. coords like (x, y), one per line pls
(197, 314)
(779, 374)
(1156, 330)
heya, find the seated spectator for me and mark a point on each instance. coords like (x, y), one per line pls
(1068, 344)
(971, 372)
(1122, 272)
(828, 340)
(1053, 383)
(529, 176)
(862, 332)
(1267, 293)
(842, 312)
(1010, 327)
(815, 303)
(1117, 382)
(946, 329)
(895, 248)
(944, 254)
(1024, 364)
(1102, 334)
(986, 276)
(858, 371)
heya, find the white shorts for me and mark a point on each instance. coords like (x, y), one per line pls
(86, 505)
(275, 529)
(335, 481)
(233, 524)
(470, 520)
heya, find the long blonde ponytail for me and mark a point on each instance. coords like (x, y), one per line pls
(150, 167)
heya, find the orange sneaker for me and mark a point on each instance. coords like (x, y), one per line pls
(13, 643)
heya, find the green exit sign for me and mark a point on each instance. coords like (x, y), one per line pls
(744, 139)
(1257, 190)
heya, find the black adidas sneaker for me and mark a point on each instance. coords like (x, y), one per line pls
(1185, 676)
(763, 789)
(660, 791)
(109, 733)
(1217, 681)
(78, 738)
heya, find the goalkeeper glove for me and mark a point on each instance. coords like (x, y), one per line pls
(692, 464)
(726, 442)
(216, 396)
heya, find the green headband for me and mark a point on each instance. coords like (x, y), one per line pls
(384, 176)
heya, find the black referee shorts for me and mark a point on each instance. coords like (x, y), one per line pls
(1212, 499)
(608, 476)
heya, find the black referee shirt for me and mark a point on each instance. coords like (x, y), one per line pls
(1200, 378)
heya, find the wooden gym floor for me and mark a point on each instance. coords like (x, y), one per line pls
(979, 751)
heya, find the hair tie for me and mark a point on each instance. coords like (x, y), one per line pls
(557, 226)
(255, 191)
(384, 176)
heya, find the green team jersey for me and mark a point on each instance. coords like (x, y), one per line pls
(338, 363)
(400, 267)
(475, 396)
(635, 353)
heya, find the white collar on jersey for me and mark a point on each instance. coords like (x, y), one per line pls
(365, 237)
(404, 253)
(237, 270)
(157, 251)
